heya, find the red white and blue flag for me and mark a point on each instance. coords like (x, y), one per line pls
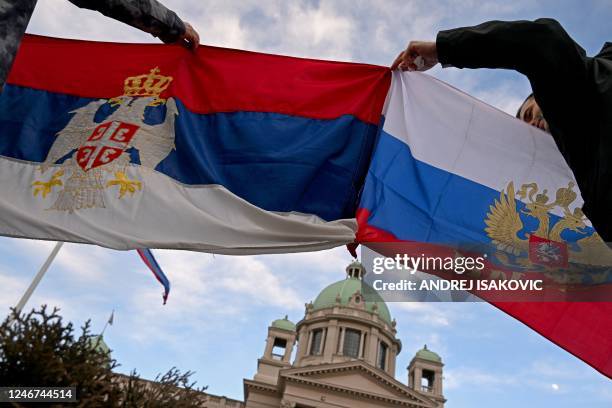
(147, 257)
(449, 170)
(148, 146)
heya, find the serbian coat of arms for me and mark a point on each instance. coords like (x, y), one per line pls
(93, 152)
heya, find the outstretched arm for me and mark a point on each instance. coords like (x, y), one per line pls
(147, 15)
(534, 48)
(555, 65)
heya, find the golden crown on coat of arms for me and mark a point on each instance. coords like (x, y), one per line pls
(151, 84)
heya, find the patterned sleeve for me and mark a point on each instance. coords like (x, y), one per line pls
(147, 15)
(14, 18)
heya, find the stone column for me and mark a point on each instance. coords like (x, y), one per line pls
(437, 385)
(269, 346)
(309, 345)
(392, 356)
(289, 350)
(341, 348)
(417, 378)
(323, 340)
(302, 346)
(331, 339)
(362, 344)
(372, 347)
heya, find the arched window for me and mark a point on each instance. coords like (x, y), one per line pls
(427, 380)
(278, 349)
(316, 347)
(382, 356)
(351, 343)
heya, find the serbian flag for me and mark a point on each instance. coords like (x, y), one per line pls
(147, 257)
(450, 170)
(150, 146)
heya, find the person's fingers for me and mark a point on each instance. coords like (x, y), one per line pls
(404, 62)
(191, 38)
(194, 38)
(413, 48)
(421, 55)
(409, 57)
(197, 39)
(398, 61)
(418, 56)
(407, 66)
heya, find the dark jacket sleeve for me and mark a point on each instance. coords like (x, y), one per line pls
(14, 18)
(556, 66)
(529, 47)
(558, 70)
(148, 15)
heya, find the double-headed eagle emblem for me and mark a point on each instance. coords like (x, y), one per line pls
(569, 234)
(96, 148)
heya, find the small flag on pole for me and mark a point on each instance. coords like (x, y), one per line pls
(109, 322)
(149, 260)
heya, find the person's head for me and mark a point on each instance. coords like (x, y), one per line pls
(531, 113)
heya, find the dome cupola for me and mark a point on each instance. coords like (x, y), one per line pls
(352, 291)
(284, 324)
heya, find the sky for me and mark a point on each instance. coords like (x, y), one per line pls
(216, 319)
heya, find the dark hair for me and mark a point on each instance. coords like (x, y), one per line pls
(518, 112)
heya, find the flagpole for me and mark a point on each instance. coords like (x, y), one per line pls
(109, 321)
(28, 293)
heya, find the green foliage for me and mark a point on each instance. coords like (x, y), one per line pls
(172, 389)
(38, 349)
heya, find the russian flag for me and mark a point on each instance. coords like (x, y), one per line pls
(449, 170)
(131, 146)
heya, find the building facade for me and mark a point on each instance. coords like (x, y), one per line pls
(341, 354)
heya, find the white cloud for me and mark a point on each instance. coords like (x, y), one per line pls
(430, 314)
(244, 277)
(476, 378)
(208, 291)
(544, 375)
(556, 371)
(321, 267)
(235, 278)
(224, 30)
(60, 18)
(318, 32)
(12, 289)
(79, 261)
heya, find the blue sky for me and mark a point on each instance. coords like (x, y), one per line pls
(217, 315)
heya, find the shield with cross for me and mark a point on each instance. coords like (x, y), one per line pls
(106, 143)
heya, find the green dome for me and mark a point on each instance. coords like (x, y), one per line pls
(284, 324)
(427, 354)
(97, 342)
(347, 288)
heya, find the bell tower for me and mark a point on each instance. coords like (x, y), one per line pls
(425, 374)
(277, 354)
